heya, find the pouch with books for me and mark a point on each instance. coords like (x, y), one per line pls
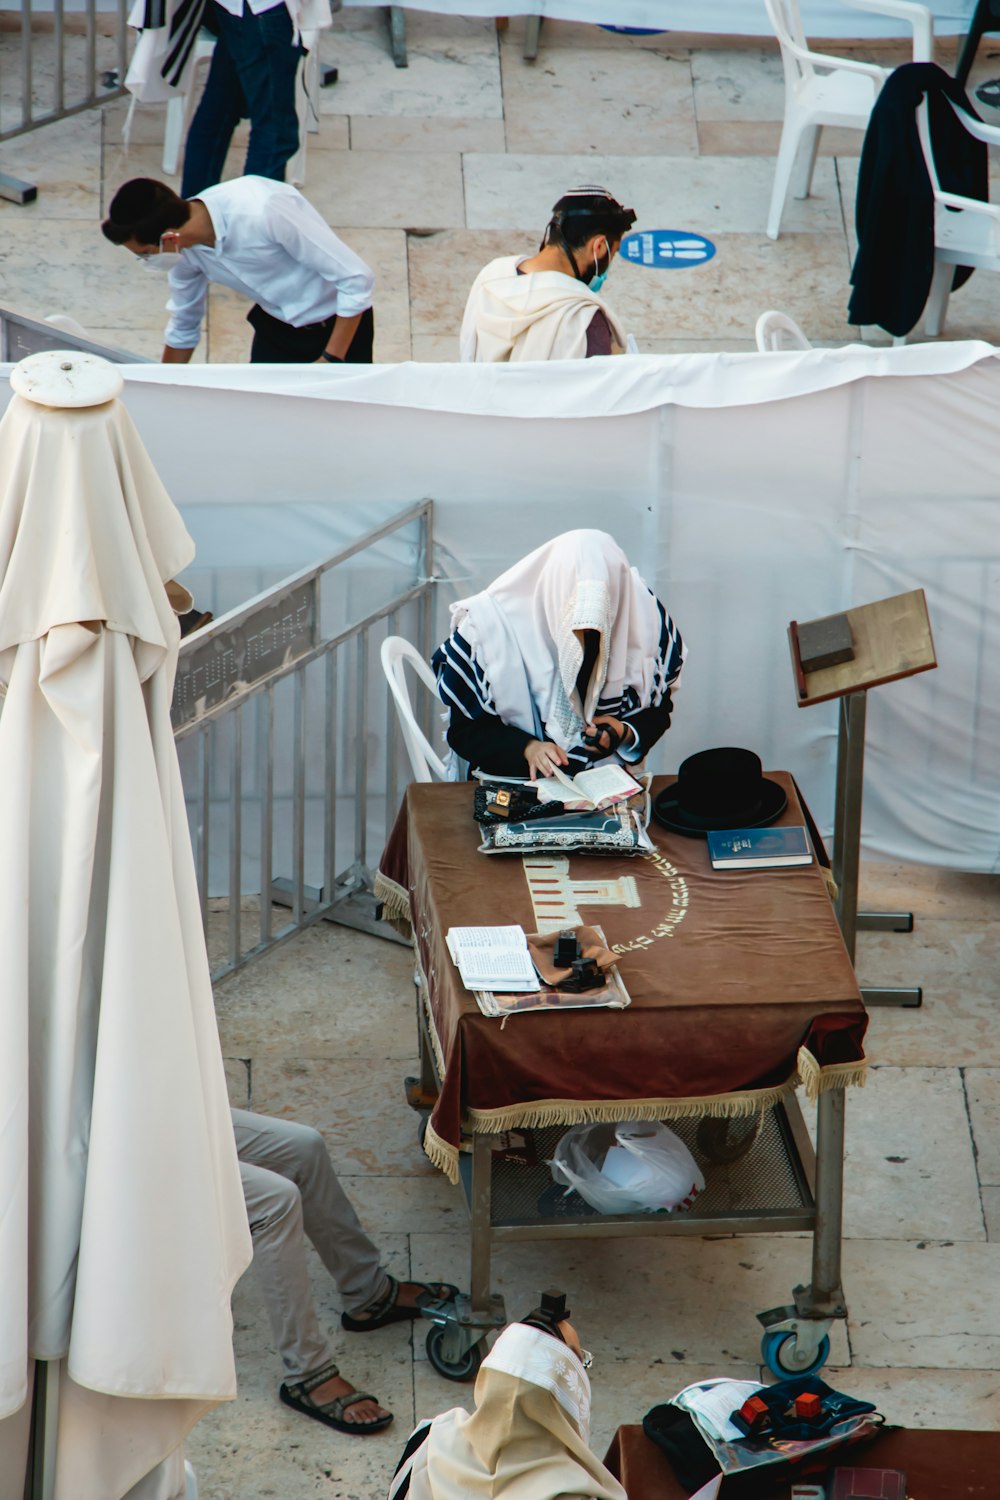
(600, 811)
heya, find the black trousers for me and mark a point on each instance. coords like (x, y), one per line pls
(277, 343)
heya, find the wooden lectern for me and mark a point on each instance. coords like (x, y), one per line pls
(891, 639)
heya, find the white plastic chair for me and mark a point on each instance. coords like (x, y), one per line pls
(969, 237)
(823, 90)
(396, 653)
(181, 108)
(776, 330)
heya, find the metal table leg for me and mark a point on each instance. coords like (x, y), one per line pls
(532, 32)
(796, 1336)
(847, 850)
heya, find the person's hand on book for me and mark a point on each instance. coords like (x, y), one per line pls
(543, 757)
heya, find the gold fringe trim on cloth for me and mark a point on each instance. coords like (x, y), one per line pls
(817, 1080)
(395, 903)
(441, 1154)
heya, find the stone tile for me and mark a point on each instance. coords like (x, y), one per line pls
(64, 163)
(762, 138)
(332, 993)
(713, 195)
(397, 1205)
(385, 250)
(388, 189)
(438, 133)
(71, 268)
(739, 85)
(577, 35)
(956, 963)
(734, 345)
(454, 69)
(238, 1081)
(596, 100)
(229, 334)
(145, 341)
(928, 891)
(982, 1086)
(435, 348)
(955, 1399)
(360, 1110)
(641, 1299)
(991, 1212)
(909, 1171)
(721, 299)
(922, 1305)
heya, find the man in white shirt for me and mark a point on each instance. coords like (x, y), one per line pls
(312, 295)
(252, 76)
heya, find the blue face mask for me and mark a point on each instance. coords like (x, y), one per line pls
(599, 277)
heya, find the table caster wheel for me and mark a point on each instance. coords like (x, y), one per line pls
(464, 1368)
(779, 1351)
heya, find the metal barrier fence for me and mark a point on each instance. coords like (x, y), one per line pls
(64, 59)
(20, 336)
(289, 745)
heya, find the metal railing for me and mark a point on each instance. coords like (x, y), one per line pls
(20, 336)
(64, 59)
(289, 746)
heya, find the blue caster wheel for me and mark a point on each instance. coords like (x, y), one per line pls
(778, 1351)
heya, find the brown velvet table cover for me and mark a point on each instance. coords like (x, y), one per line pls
(938, 1465)
(739, 980)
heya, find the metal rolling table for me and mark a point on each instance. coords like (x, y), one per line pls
(746, 1133)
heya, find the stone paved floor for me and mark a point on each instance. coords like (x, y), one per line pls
(427, 173)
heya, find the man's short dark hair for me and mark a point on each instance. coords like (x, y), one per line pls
(142, 210)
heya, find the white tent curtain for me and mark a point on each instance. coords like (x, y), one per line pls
(748, 489)
(822, 18)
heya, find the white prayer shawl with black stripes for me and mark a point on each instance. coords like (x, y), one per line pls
(164, 54)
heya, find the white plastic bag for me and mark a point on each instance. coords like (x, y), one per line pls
(641, 1168)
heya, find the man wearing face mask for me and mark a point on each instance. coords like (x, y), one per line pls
(312, 295)
(546, 306)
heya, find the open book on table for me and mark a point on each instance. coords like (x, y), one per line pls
(599, 788)
(494, 958)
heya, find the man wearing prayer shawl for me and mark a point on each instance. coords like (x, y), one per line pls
(527, 1438)
(566, 659)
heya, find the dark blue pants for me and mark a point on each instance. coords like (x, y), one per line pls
(251, 76)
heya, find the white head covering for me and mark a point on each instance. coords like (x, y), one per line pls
(524, 627)
(527, 1438)
(540, 315)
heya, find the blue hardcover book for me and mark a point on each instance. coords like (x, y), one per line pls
(758, 848)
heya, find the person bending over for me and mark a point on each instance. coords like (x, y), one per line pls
(312, 294)
(566, 659)
(292, 1190)
(527, 1438)
(546, 306)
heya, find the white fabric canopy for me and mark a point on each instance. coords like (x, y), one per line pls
(822, 18)
(748, 490)
(124, 1228)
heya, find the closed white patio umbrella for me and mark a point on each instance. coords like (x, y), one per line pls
(122, 1223)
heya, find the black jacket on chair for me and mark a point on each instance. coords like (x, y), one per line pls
(894, 212)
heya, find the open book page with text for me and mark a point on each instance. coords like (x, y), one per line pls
(495, 958)
(600, 787)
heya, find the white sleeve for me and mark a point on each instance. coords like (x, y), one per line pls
(298, 228)
(186, 306)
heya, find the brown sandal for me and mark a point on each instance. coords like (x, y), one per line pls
(386, 1309)
(298, 1395)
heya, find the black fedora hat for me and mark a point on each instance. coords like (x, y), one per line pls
(723, 788)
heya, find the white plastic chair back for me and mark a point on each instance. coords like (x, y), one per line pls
(786, 23)
(776, 330)
(396, 653)
(66, 324)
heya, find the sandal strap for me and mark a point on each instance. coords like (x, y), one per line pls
(309, 1383)
(339, 1404)
(383, 1304)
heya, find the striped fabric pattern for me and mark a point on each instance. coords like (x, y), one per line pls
(400, 1486)
(464, 686)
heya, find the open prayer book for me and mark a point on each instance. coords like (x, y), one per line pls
(493, 958)
(599, 788)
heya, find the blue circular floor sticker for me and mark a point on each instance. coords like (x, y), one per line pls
(666, 249)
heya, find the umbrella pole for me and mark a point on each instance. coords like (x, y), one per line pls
(40, 1477)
